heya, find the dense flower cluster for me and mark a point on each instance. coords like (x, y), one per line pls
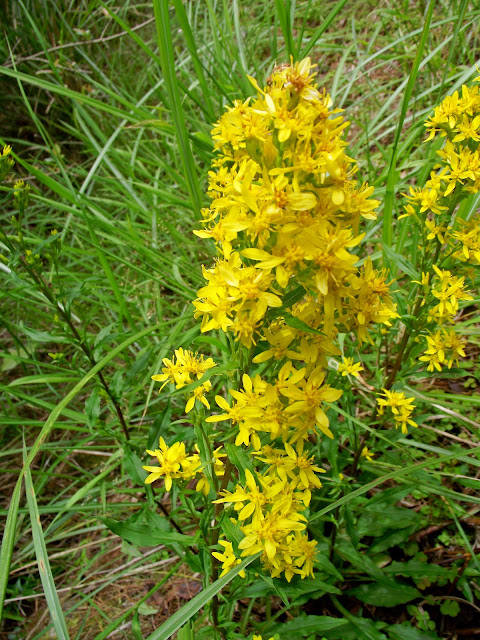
(185, 368)
(444, 348)
(269, 513)
(435, 207)
(290, 407)
(400, 406)
(285, 218)
(176, 464)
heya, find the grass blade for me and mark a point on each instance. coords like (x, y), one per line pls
(8, 541)
(73, 95)
(192, 47)
(398, 473)
(456, 31)
(387, 232)
(165, 45)
(44, 568)
(321, 29)
(283, 10)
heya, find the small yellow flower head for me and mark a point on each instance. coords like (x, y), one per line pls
(400, 406)
(227, 558)
(21, 194)
(444, 347)
(199, 394)
(449, 290)
(174, 464)
(349, 367)
(32, 258)
(6, 162)
(436, 231)
(466, 240)
(424, 282)
(185, 368)
(366, 453)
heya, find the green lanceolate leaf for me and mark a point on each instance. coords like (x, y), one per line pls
(303, 626)
(405, 631)
(167, 58)
(143, 535)
(46, 576)
(390, 595)
(401, 262)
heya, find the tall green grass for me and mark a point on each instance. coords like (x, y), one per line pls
(108, 108)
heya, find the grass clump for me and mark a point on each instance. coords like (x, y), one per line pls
(108, 112)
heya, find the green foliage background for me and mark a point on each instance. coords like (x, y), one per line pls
(108, 112)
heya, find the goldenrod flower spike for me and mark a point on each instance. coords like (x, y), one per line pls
(284, 215)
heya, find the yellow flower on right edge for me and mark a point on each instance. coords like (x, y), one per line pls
(454, 242)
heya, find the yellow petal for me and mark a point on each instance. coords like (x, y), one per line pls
(302, 201)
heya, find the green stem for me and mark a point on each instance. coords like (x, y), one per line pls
(358, 453)
(401, 349)
(246, 616)
(62, 311)
(168, 515)
(215, 537)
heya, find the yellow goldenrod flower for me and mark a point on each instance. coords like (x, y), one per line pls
(366, 453)
(424, 280)
(309, 395)
(436, 231)
(185, 368)
(400, 406)
(227, 558)
(466, 240)
(349, 367)
(256, 497)
(443, 349)
(449, 291)
(174, 463)
(265, 534)
(6, 162)
(199, 394)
